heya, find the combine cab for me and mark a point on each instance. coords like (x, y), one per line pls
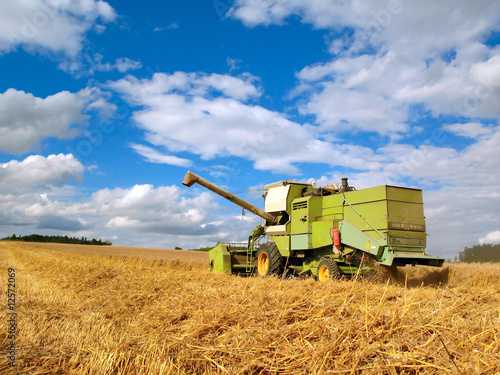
(327, 232)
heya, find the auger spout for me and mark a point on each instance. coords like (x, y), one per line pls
(191, 178)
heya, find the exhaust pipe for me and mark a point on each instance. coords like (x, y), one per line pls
(345, 185)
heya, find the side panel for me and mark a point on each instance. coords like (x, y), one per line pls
(381, 209)
(276, 199)
(367, 195)
(300, 215)
(351, 236)
(404, 194)
(321, 233)
(275, 230)
(283, 243)
(406, 210)
(332, 207)
(279, 200)
(300, 241)
(407, 241)
(367, 216)
(304, 211)
(220, 259)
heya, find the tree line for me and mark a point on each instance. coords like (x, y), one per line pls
(58, 239)
(480, 254)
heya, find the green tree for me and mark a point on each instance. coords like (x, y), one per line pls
(480, 254)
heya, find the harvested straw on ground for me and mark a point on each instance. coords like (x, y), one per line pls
(84, 314)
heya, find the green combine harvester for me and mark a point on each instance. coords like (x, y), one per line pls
(327, 232)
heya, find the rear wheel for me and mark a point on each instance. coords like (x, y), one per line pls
(268, 260)
(328, 270)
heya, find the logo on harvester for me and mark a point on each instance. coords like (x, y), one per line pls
(407, 226)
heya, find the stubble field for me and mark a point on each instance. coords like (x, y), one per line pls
(100, 310)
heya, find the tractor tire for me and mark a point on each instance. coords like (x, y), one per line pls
(328, 269)
(268, 260)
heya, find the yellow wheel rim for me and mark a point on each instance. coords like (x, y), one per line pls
(262, 263)
(323, 273)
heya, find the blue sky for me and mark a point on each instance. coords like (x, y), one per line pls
(105, 105)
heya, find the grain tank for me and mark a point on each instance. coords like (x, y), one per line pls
(326, 231)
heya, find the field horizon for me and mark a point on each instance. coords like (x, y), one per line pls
(107, 310)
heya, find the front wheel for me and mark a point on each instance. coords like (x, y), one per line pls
(268, 260)
(328, 270)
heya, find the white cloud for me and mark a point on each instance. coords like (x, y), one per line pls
(167, 213)
(491, 238)
(374, 92)
(469, 130)
(488, 72)
(440, 24)
(89, 65)
(122, 65)
(154, 156)
(173, 25)
(266, 12)
(397, 54)
(205, 115)
(34, 194)
(347, 110)
(54, 170)
(51, 25)
(233, 64)
(192, 84)
(445, 209)
(26, 120)
(125, 64)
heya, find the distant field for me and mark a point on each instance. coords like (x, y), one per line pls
(111, 310)
(124, 251)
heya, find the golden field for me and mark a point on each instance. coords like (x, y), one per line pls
(108, 310)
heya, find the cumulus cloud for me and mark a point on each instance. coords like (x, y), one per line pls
(51, 25)
(25, 120)
(488, 72)
(375, 92)
(144, 208)
(447, 22)
(445, 210)
(469, 130)
(53, 170)
(208, 116)
(59, 223)
(192, 84)
(491, 238)
(393, 55)
(122, 65)
(37, 179)
(189, 218)
(37, 193)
